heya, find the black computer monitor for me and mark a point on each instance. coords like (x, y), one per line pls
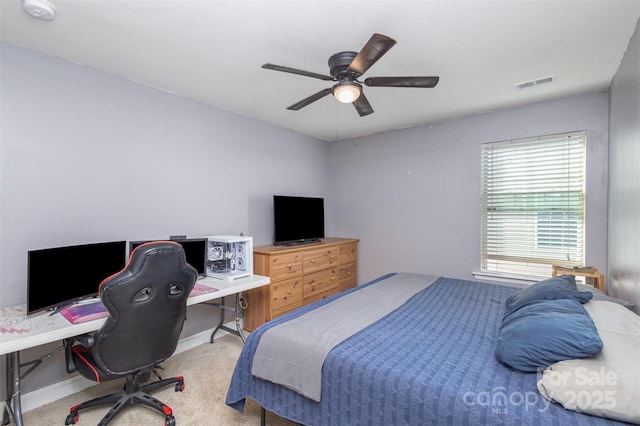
(60, 276)
(195, 251)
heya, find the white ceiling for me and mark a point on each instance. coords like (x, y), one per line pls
(212, 51)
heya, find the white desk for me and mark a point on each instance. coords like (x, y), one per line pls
(19, 331)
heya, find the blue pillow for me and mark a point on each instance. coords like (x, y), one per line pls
(538, 335)
(561, 287)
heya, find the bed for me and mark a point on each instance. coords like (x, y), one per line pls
(431, 361)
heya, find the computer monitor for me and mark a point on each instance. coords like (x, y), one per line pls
(60, 276)
(195, 251)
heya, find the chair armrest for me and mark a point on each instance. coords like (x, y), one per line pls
(85, 340)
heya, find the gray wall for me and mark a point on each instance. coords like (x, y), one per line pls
(89, 157)
(624, 177)
(413, 196)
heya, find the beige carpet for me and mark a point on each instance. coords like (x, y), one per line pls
(207, 371)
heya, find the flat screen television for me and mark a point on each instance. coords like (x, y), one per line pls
(195, 251)
(297, 220)
(60, 276)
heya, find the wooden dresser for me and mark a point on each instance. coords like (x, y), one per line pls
(299, 275)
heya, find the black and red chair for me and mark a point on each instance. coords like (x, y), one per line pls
(147, 305)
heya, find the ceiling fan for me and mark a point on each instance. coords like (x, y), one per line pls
(347, 67)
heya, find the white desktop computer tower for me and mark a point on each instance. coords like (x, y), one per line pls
(229, 257)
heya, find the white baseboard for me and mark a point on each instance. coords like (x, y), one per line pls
(77, 383)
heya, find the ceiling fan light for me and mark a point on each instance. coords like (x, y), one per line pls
(347, 92)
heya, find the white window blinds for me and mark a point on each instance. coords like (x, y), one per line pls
(533, 204)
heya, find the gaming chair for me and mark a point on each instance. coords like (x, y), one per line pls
(146, 302)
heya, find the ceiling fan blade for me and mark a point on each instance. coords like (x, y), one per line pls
(426, 82)
(377, 46)
(303, 103)
(362, 105)
(296, 71)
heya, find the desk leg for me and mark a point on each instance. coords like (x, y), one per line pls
(12, 404)
(238, 330)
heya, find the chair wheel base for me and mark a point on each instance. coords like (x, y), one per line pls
(134, 394)
(71, 419)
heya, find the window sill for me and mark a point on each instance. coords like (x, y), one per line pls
(506, 278)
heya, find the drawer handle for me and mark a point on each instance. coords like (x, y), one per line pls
(289, 292)
(348, 272)
(289, 266)
(333, 278)
(313, 261)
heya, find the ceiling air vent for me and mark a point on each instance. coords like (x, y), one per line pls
(537, 82)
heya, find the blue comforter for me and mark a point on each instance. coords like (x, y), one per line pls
(430, 362)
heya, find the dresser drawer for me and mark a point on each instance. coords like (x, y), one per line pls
(319, 259)
(320, 282)
(318, 296)
(286, 292)
(285, 266)
(287, 308)
(347, 284)
(348, 253)
(348, 272)
(347, 276)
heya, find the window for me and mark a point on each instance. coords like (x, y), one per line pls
(533, 204)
